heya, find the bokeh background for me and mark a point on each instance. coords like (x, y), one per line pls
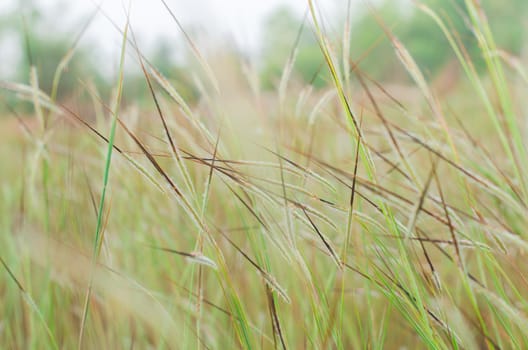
(264, 33)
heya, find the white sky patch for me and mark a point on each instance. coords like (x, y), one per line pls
(240, 20)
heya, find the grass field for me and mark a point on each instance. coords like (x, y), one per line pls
(296, 218)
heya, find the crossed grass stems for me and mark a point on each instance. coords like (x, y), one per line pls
(382, 235)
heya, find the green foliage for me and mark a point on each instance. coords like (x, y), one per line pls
(45, 48)
(508, 23)
(164, 61)
(429, 47)
(369, 46)
(176, 71)
(286, 34)
(46, 54)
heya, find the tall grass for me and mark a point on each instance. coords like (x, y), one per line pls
(296, 218)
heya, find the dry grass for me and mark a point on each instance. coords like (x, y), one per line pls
(338, 218)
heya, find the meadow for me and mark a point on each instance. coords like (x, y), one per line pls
(348, 217)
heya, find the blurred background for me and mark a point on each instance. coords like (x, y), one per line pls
(262, 34)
